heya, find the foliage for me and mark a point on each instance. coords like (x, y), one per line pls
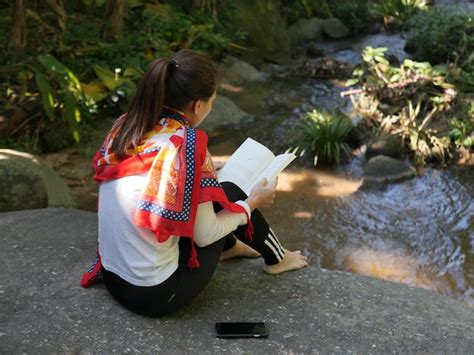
(324, 134)
(443, 34)
(414, 101)
(294, 10)
(462, 132)
(399, 10)
(72, 78)
(355, 14)
(61, 93)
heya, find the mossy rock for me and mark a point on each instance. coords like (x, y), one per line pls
(264, 24)
(27, 182)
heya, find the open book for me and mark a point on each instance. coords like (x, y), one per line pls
(251, 163)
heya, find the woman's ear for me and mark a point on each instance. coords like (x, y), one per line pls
(196, 106)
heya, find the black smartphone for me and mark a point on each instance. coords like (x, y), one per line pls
(241, 330)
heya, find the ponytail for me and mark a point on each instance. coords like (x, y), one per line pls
(147, 103)
(173, 82)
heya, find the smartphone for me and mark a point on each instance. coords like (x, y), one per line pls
(241, 330)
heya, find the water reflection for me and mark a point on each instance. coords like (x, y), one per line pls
(419, 232)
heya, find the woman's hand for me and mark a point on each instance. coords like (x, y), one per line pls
(262, 195)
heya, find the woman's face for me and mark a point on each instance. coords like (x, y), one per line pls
(201, 109)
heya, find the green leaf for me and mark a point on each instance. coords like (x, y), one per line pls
(468, 142)
(106, 76)
(351, 82)
(60, 72)
(95, 90)
(47, 95)
(71, 112)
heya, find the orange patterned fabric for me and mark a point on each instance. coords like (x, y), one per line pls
(180, 176)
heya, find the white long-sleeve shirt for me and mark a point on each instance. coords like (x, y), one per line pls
(133, 252)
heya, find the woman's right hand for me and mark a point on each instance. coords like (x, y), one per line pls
(262, 195)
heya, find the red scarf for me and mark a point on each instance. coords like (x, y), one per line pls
(180, 176)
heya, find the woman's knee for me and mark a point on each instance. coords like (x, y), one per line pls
(233, 192)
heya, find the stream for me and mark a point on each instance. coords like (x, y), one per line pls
(419, 232)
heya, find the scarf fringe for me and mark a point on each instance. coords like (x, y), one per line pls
(249, 230)
(94, 274)
(193, 261)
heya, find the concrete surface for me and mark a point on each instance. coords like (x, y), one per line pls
(44, 310)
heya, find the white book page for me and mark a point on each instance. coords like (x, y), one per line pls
(247, 162)
(272, 170)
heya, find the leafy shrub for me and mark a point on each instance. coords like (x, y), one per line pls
(324, 134)
(443, 34)
(413, 101)
(462, 132)
(296, 9)
(355, 14)
(399, 10)
(62, 81)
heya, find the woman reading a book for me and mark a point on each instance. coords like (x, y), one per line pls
(164, 219)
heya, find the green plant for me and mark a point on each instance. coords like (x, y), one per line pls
(462, 132)
(414, 101)
(442, 34)
(324, 134)
(400, 10)
(61, 93)
(296, 9)
(356, 14)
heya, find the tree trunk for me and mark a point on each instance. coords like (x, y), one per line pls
(18, 25)
(113, 19)
(58, 8)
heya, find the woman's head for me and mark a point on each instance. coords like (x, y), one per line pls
(186, 82)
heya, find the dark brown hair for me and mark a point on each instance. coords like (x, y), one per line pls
(186, 76)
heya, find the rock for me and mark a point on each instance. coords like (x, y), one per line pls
(264, 24)
(334, 28)
(305, 30)
(238, 72)
(312, 50)
(382, 169)
(44, 310)
(224, 112)
(27, 182)
(20, 188)
(384, 144)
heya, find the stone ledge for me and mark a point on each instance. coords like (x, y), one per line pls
(44, 310)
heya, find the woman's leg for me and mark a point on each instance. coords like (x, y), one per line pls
(179, 289)
(277, 259)
(264, 240)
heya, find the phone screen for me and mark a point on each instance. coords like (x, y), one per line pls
(241, 330)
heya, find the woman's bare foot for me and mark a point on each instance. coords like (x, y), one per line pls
(240, 249)
(293, 260)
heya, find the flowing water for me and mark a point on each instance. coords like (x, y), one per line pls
(419, 232)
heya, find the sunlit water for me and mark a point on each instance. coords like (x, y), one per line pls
(419, 232)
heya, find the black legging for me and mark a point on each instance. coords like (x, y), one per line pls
(184, 285)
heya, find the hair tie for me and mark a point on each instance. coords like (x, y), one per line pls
(174, 63)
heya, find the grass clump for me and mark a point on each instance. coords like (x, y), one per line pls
(324, 135)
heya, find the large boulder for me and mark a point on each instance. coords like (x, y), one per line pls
(238, 72)
(27, 182)
(264, 24)
(224, 113)
(384, 144)
(306, 30)
(382, 169)
(43, 254)
(334, 28)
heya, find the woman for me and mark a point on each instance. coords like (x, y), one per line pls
(164, 220)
